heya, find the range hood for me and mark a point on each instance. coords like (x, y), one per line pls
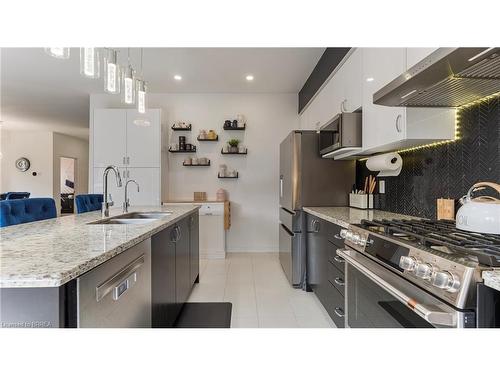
(449, 77)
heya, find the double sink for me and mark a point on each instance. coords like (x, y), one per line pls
(134, 218)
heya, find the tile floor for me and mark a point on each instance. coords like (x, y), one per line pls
(260, 293)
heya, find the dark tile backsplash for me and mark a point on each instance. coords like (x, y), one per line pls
(445, 171)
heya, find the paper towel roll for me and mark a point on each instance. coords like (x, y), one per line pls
(388, 164)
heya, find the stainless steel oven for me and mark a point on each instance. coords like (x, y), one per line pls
(376, 297)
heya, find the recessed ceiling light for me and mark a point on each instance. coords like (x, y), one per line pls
(177, 77)
(370, 79)
(249, 77)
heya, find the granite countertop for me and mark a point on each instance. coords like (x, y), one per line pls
(492, 279)
(49, 253)
(344, 216)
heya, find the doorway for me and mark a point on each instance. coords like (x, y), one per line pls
(67, 185)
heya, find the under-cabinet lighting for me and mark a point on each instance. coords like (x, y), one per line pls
(481, 54)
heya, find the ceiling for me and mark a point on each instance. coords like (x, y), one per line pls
(41, 92)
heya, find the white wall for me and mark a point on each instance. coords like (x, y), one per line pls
(254, 196)
(37, 147)
(70, 147)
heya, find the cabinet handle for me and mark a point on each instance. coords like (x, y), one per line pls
(128, 160)
(339, 281)
(179, 233)
(398, 123)
(342, 106)
(338, 259)
(337, 236)
(316, 226)
(339, 312)
(124, 160)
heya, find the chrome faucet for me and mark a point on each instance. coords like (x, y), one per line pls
(106, 204)
(126, 204)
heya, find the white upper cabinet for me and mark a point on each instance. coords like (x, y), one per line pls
(143, 142)
(381, 125)
(109, 137)
(391, 128)
(350, 84)
(342, 93)
(415, 55)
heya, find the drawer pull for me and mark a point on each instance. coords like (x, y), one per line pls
(338, 259)
(121, 281)
(339, 312)
(339, 281)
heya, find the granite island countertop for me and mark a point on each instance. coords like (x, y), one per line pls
(49, 253)
(344, 216)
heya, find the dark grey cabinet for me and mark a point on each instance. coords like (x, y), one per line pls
(172, 267)
(194, 248)
(325, 270)
(182, 262)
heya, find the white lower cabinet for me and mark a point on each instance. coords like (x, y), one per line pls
(147, 178)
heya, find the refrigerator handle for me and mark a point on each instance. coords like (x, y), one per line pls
(281, 186)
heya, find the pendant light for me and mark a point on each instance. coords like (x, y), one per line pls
(58, 52)
(141, 90)
(111, 72)
(141, 96)
(128, 82)
(90, 62)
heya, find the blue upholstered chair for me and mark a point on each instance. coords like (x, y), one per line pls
(88, 202)
(19, 211)
(18, 195)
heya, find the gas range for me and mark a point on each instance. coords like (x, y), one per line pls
(434, 255)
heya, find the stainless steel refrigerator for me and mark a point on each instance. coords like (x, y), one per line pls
(306, 179)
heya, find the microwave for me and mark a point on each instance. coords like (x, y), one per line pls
(342, 131)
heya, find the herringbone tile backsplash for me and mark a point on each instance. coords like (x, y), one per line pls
(445, 171)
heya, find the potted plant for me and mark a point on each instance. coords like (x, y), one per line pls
(233, 145)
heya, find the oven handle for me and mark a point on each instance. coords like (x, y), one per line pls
(432, 316)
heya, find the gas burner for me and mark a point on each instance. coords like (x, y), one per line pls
(442, 236)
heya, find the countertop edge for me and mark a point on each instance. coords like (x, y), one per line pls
(492, 279)
(328, 218)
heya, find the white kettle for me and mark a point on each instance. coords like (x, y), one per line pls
(480, 214)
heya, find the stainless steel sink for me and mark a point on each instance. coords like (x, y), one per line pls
(134, 218)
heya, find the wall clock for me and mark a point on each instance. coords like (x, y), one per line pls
(23, 164)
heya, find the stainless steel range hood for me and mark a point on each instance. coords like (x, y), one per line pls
(449, 77)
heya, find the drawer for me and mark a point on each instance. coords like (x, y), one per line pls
(335, 307)
(334, 258)
(334, 235)
(336, 278)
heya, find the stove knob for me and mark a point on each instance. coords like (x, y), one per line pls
(362, 241)
(407, 263)
(356, 239)
(445, 280)
(349, 236)
(424, 271)
(343, 233)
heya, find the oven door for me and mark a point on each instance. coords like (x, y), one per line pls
(378, 298)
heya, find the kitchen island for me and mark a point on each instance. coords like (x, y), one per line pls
(44, 266)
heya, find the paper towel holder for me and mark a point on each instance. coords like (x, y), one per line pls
(385, 166)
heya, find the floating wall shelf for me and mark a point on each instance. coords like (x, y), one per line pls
(219, 176)
(197, 165)
(181, 151)
(233, 153)
(177, 129)
(235, 128)
(216, 139)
